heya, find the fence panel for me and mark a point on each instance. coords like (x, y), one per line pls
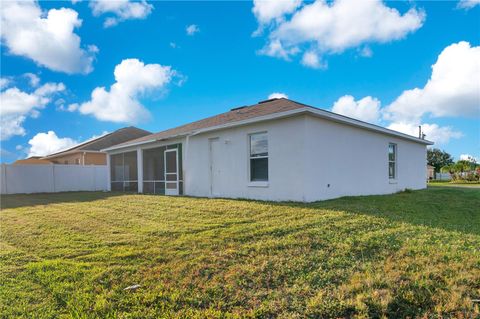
(18, 179)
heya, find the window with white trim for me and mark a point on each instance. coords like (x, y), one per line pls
(392, 161)
(258, 157)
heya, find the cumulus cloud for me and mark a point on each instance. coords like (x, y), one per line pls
(121, 103)
(312, 60)
(46, 38)
(468, 4)
(433, 132)
(4, 82)
(33, 79)
(367, 109)
(17, 105)
(452, 90)
(43, 144)
(121, 10)
(192, 29)
(332, 27)
(267, 10)
(277, 95)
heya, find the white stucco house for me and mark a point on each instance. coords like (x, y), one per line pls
(277, 150)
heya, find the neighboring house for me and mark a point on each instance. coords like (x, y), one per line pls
(89, 152)
(277, 149)
(430, 172)
(32, 160)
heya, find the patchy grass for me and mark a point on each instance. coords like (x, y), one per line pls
(413, 254)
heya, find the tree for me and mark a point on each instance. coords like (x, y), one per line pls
(438, 158)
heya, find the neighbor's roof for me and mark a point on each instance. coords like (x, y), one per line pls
(108, 140)
(264, 110)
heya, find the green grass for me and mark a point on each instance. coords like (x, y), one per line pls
(412, 254)
(455, 184)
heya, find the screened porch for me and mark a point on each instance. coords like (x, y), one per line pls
(160, 171)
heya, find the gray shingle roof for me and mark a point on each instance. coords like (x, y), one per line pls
(117, 137)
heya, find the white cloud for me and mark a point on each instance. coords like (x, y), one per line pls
(17, 105)
(468, 157)
(468, 4)
(452, 90)
(4, 82)
(433, 132)
(192, 29)
(366, 109)
(366, 52)
(121, 103)
(33, 79)
(43, 144)
(332, 27)
(267, 10)
(312, 60)
(277, 95)
(275, 49)
(121, 9)
(48, 39)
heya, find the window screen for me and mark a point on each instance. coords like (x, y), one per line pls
(258, 157)
(392, 161)
(123, 172)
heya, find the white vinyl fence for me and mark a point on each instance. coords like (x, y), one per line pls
(17, 179)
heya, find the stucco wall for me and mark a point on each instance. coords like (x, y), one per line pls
(309, 159)
(343, 160)
(95, 159)
(286, 158)
(79, 157)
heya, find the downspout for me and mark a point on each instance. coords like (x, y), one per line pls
(83, 159)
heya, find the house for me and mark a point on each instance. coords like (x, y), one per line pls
(89, 152)
(276, 150)
(32, 160)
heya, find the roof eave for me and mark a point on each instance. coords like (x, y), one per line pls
(305, 110)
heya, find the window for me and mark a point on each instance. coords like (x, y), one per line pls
(259, 157)
(123, 172)
(392, 161)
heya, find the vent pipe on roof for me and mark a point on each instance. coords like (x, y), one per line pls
(421, 135)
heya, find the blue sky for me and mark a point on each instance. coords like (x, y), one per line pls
(173, 77)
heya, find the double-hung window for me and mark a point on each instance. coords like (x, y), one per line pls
(258, 157)
(392, 161)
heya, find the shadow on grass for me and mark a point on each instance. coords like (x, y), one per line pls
(451, 209)
(25, 200)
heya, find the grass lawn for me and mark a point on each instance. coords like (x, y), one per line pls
(451, 184)
(71, 255)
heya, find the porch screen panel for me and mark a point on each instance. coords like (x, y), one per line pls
(123, 172)
(153, 170)
(154, 178)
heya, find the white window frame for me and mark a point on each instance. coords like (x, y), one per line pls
(395, 170)
(257, 183)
